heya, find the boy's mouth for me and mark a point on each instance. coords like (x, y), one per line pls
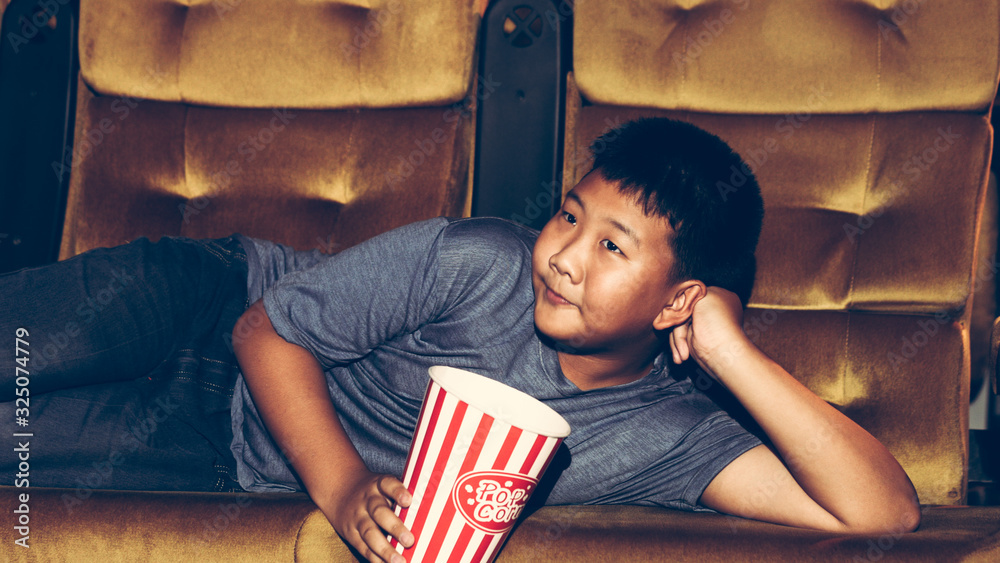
(555, 298)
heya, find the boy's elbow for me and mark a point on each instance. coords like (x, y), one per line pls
(894, 509)
(896, 517)
(912, 516)
(904, 517)
(908, 513)
(905, 510)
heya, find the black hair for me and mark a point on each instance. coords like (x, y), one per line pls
(704, 190)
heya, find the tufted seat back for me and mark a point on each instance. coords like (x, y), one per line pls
(867, 126)
(318, 124)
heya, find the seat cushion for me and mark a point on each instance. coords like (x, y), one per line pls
(631, 533)
(743, 56)
(67, 524)
(322, 54)
(308, 178)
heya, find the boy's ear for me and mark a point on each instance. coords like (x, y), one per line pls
(678, 311)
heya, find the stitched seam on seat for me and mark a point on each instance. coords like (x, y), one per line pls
(298, 537)
(878, 67)
(847, 360)
(180, 56)
(684, 67)
(869, 181)
(854, 260)
(185, 121)
(361, 52)
(864, 202)
(348, 186)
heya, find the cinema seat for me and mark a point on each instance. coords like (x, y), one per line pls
(867, 125)
(314, 124)
(873, 167)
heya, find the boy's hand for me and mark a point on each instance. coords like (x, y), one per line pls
(290, 391)
(821, 470)
(715, 326)
(364, 515)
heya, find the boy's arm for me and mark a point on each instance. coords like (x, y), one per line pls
(289, 389)
(825, 471)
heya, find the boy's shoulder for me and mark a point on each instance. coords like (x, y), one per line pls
(491, 229)
(484, 260)
(488, 238)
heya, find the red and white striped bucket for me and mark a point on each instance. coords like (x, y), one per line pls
(477, 455)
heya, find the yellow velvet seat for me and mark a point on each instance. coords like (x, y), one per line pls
(167, 526)
(320, 124)
(867, 126)
(316, 124)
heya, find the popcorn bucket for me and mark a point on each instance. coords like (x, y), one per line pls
(477, 455)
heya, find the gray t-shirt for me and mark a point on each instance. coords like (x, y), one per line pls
(459, 293)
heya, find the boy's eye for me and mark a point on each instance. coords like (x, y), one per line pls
(611, 246)
(569, 217)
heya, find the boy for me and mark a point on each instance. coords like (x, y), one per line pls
(644, 256)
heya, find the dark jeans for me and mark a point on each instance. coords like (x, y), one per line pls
(130, 371)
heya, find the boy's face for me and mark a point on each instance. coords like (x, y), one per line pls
(600, 270)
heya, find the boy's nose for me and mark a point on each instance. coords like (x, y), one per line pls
(566, 261)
